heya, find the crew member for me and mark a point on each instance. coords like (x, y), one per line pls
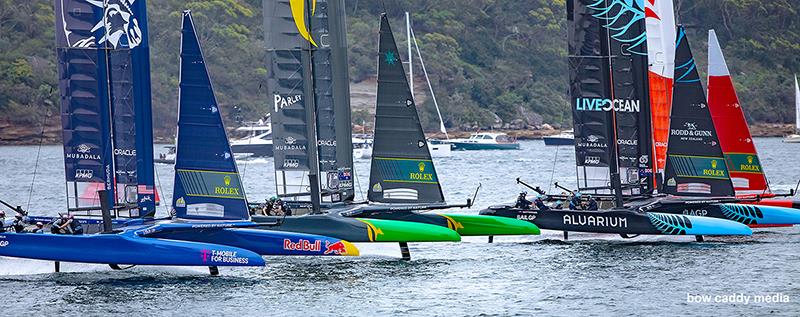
(2, 221)
(592, 203)
(540, 203)
(19, 223)
(575, 202)
(523, 202)
(61, 225)
(39, 228)
(75, 225)
(280, 208)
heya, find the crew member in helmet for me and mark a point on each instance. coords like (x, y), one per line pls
(19, 223)
(539, 203)
(61, 225)
(2, 221)
(75, 225)
(522, 201)
(592, 203)
(575, 202)
(280, 208)
(39, 228)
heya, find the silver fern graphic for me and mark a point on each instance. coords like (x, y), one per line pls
(670, 224)
(742, 213)
(620, 16)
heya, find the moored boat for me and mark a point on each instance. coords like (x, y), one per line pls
(564, 138)
(795, 138)
(485, 141)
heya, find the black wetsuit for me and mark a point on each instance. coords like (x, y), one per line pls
(575, 203)
(75, 226)
(18, 225)
(593, 204)
(540, 204)
(523, 203)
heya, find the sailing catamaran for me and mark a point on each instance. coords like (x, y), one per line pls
(610, 104)
(795, 138)
(403, 179)
(312, 133)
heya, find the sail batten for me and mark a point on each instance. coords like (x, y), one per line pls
(402, 170)
(207, 182)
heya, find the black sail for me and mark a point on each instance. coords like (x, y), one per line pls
(695, 164)
(331, 87)
(609, 95)
(402, 170)
(289, 45)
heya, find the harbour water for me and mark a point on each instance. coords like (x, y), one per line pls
(515, 276)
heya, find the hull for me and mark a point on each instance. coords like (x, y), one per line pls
(794, 138)
(439, 149)
(558, 141)
(265, 242)
(465, 225)
(359, 229)
(123, 248)
(256, 150)
(622, 222)
(747, 214)
(461, 146)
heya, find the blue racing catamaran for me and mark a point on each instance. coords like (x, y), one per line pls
(106, 121)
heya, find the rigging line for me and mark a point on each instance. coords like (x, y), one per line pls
(553, 171)
(355, 176)
(36, 165)
(160, 188)
(433, 96)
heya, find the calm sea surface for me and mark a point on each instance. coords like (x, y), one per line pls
(516, 276)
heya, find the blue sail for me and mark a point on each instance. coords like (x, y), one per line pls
(105, 103)
(207, 183)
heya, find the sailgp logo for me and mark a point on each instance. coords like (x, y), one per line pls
(119, 25)
(283, 102)
(600, 104)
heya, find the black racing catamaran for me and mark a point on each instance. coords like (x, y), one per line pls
(310, 112)
(403, 180)
(609, 96)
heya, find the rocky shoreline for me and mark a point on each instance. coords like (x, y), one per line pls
(26, 134)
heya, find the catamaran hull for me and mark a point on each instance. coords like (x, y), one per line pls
(124, 248)
(465, 225)
(265, 242)
(622, 222)
(755, 215)
(360, 229)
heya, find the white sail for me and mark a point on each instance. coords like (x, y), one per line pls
(796, 104)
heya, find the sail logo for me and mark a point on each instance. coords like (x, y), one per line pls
(119, 25)
(591, 160)
(713, 171)
(125, 152)
(83, 148)
(326, 142)
(744, 163)
(84, 174)
(627, 142)
(299, 15)
(291, 163)
(84, 153)
(592, 141)
(421, 176)
(391, 59)
(690, 129)
(281, 102)
(290, 144)
(227, 189)
(601, 104)
(595, 221)
(750, 167)
(290, 140)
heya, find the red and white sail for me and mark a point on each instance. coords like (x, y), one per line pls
(737, 145)
(660, 20)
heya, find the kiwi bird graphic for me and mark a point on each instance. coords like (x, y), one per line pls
(298, 13)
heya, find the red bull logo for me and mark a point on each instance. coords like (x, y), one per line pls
(302, 245)
(336, 248)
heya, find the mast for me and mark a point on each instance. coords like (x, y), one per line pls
(311, 112)
(410, 57)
